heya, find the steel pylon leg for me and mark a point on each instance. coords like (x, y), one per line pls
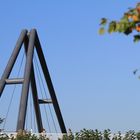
(25, 87)
(34, 92)
(50, 85)
(12, 60)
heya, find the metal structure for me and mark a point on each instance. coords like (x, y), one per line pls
(31, 42)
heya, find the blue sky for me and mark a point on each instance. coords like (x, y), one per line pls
(92, 74)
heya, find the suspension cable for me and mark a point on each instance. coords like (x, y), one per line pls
(31, 111)
(34, 121)
(26, 122)
(45, 94)
(39, 82)
(20, 66)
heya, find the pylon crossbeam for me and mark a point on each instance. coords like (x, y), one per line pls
(14, 81)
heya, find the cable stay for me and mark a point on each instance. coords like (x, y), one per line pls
(13, 93)
(41, 91)
(44, 90)
(27, 118)
(31, 110)
(34, 123)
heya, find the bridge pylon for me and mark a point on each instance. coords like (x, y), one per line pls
(30, 41)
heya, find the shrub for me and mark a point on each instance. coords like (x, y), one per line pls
(84, 134)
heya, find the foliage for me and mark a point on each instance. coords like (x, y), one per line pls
(1, 120)
(129, 23)
(4, 137)
(105, 135)
(69, 136)
(130, 135)
(117, 136)
(23, 135)
(84, 134)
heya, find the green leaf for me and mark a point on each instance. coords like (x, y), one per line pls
(124, 18)
(136, 38)
(101, 31)
(128, 31)
(138, 5)
(112, 26)
(122, 27)
(103, 21)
